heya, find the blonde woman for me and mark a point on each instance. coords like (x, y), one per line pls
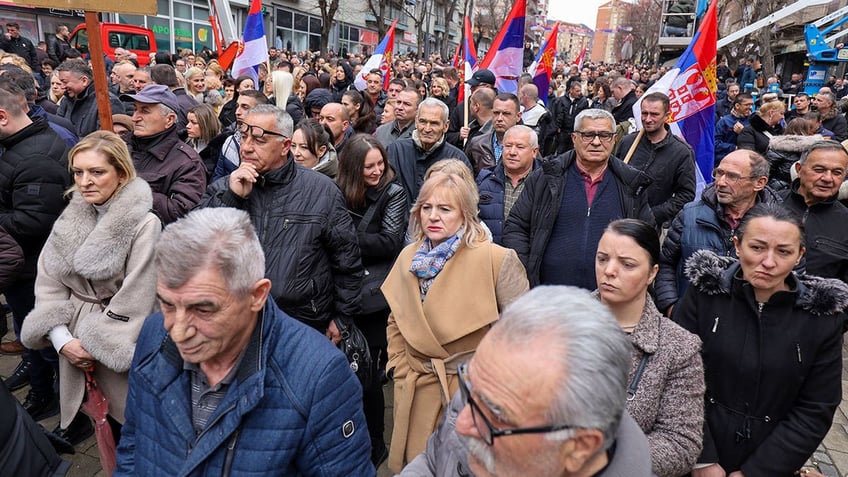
(445, 290)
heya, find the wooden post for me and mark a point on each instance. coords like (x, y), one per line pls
(466, 95)
(98, 66)
(634, 146)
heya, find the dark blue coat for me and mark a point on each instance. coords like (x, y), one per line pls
(491, 183)
(293, 401)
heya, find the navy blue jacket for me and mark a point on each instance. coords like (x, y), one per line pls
(491, 183)
(294, 408)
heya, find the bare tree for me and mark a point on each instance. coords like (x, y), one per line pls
(417, 11)
(328, 9)
(449, 8)
(378, 9)
(489, 16)
(644, 17)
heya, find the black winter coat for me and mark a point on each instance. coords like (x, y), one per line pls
(33, 178)
(82, 110)
(773, 370)
(410, 162)
(784, 151)
(624, 111)
(566, 110)
(757, 134)
(825, 231)
(382, 239)
(670, 164)
(531, 220)
(311, 251)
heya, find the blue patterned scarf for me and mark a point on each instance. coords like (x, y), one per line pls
(429, 261)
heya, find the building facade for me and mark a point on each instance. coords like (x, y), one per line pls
(612, 16)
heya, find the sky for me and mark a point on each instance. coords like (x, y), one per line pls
(581, 11)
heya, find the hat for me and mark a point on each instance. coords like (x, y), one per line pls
(482, 76)
(124, 121)
(154, 94)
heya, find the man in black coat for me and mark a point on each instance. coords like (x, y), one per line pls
(821, 171)
(33, 178)
(311, 251)
(410, 158)
(667, 159)
(567, 109)
(556, 223)
(624, 91)
(58, 45)
(80, 103)
(13, 42)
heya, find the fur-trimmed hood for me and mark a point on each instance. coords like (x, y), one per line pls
(793, 143)
(713, 274)
(97, 249)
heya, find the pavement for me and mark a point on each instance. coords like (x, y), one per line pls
(831, 456)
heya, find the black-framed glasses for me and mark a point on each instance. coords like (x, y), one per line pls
(730, 177)
(487, 431)
(589, 136)
(256, 132)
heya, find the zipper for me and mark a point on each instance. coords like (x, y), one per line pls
(715, 324)
(798, 349)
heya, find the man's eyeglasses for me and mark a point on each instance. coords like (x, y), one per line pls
(256, 132)
(730, 177)
(487, 431)
(589, 136)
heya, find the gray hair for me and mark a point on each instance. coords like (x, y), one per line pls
(520, 128)
(282, 119)
(593, 113)
(165, 110)
(823, 145)
(434, 103)
(588, 345)
(220, 238)
(830, 97)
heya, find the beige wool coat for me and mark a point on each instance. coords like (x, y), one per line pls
(427, 341)
(96, 275)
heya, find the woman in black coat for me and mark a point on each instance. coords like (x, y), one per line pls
(377, 206)
(763, 125)
(772, 349)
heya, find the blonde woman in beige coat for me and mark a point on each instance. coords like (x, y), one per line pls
(666, 381)
(445, 291)
(96, 281)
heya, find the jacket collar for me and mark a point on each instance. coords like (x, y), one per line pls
(158, 145)
(38, 125)
(636, 180)
(281, 175)
(799, 199)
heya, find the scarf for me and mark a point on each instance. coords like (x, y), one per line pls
(428, 261)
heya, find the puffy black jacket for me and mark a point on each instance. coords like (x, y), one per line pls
(772, 369)
(311, 251)
(24, 448)
(532, 218)
(566, 110)
(757, 134)
(671, 165)
(33, 178)
(382, 238)
(624, 110)
(825, 231)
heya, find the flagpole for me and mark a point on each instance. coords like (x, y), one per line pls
(634, 145)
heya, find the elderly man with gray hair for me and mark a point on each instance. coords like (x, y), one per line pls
(225, 383)
(310, 243)
(411, 157)
(543, 395)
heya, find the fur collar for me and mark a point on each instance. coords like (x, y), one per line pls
(713, 274)
(97, 250)
(792, 143)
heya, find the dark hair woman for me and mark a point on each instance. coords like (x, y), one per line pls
(666, 381)
(363, 119)
(772, 348)
(203, 130)
(312, 147)
(341, 80)
(377, 206)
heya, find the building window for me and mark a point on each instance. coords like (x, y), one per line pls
(178, 24)
(296, 31)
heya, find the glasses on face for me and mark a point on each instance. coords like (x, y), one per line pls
(730, 177)
(256, 132)
(589, 136)
(487, 431)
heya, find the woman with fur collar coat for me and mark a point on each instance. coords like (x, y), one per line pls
(762, 126)
(96, 281)
(772, 348)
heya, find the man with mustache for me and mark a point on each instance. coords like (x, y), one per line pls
(710, 223)
(556, 223)
(543, 395)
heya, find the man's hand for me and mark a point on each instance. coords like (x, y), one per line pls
(77, 355)
(464, 131)
(242, 179)
(738, 127)
(333, 333)
(713, 470)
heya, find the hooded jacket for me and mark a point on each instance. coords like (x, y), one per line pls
(783, 152)
(773, 370)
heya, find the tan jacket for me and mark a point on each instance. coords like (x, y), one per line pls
(426, 341)
(84, 263)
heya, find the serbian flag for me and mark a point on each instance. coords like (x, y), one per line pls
(252, 49)
(579, 60)
(505, 57)
(469, 62)
(456, 57)
(691, 88)
(543, 67)
(382, 59)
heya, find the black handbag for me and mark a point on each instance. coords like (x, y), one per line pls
(355, 348)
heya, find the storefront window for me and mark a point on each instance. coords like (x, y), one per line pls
(296, 31)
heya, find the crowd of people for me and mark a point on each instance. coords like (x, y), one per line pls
(541, 287)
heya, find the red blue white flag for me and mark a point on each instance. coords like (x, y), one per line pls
(469, 62)
(691, 88)
(543, 67)
(505, 57)
(253, 48)
(382, 59)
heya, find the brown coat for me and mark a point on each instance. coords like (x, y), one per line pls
(668, 404)
(426, 341)
(86, 260)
